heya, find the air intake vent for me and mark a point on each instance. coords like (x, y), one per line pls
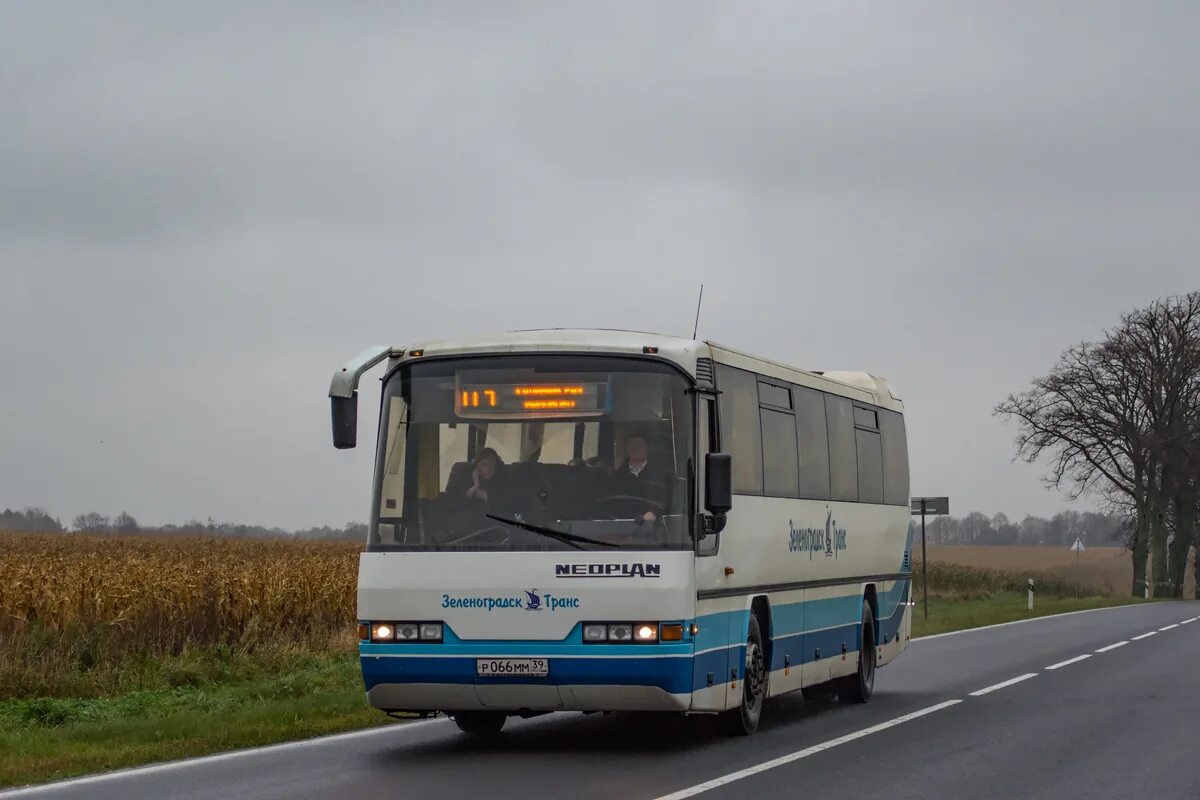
(704, 370)
(907, 562)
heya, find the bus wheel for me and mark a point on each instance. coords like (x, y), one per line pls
(480, 723)
(743, 720)
(859, 687)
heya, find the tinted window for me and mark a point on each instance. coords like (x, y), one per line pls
(865, 417)
(812, 440)
(740, 433)
(774, 395)
(779, 453)
(870, 467)
(895, 458)
(843, 453)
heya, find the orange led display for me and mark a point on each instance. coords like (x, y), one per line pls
(471, 399)
(546, 391)
(544, 405)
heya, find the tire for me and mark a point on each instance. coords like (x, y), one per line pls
(480, 723)
(743, 720)
(859, 687)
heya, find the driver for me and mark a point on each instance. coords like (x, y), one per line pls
(638, 478)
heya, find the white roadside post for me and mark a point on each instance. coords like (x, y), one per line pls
(1031, 594)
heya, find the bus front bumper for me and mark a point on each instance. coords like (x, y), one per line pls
(600, 678)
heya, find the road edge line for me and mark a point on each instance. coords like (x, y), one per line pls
(228, 755)
(1034, 619)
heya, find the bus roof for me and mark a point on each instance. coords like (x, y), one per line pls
(681, 351)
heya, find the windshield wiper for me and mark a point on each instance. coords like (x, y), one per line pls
(562, 536)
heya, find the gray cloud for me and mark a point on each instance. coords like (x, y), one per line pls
(203, 211)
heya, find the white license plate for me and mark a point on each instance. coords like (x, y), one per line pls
(501, 667)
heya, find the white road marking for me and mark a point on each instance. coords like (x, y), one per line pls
(1074, 660)
(1186, 621)
(1145, 636)
(725, 780)
(167, 766)
(1112, 647)
(1031, 619)
(1003, 684)
(1168, 627)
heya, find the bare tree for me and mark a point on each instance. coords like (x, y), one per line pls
(1119, 418)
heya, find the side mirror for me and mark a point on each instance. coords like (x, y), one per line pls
(345, 421)
(718, 483)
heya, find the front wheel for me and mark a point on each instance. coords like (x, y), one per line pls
(859, 687)
(480, 723)
(743, 720)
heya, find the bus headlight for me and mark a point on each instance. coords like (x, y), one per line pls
(424, 632)
(621, 632)
(644, 632)
(595, 633)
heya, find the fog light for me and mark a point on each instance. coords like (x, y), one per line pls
(407, 632)
(382, 632)
(595, 633)
(620, 633)
(431, 631)
(645, 632)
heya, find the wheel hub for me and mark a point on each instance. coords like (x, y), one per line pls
(755, 670)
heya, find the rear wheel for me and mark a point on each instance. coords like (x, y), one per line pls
(480, 723)
(859, 687)
(743, 720)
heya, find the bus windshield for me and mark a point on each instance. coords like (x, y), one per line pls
(534, 452)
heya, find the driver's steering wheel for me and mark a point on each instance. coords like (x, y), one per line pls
(657, 507)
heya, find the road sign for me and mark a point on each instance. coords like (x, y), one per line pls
(928, 507)
(931, 506)
(1078, 545)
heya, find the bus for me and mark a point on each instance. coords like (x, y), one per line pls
(601, 521)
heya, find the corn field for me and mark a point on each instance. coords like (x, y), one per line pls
(96, 600)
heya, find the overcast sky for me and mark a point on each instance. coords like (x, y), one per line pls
(203, 213)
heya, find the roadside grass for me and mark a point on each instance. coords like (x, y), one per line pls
(952, 614)
(50, 738)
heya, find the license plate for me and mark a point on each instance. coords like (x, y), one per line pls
(502, 667)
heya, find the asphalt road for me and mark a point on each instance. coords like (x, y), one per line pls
(1120, 722)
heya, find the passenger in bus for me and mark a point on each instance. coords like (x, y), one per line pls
(638, 478)
(484, 478)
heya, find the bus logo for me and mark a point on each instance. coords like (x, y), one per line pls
(614, 570)
(830, 539)
(535, 601)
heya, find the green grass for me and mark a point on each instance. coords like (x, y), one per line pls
(951, 614)
(208, 701)
(47, 738)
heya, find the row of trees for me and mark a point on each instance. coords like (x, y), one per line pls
(28, 519)
(1061, 530)
(1120, 418)
(39, 520)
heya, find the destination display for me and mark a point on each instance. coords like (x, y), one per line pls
(474, 399)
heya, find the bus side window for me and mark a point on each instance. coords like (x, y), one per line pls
(812, 437)
(843, 452)
(741, 432)
(895, 458)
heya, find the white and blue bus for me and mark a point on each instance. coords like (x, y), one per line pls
(598, 520)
